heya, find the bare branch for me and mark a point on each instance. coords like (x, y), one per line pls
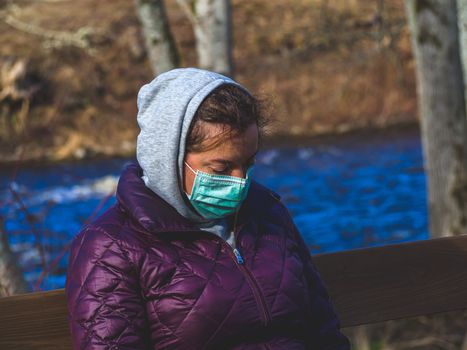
(80, 38)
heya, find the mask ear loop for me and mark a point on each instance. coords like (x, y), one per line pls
(248, 172)
(194, 172)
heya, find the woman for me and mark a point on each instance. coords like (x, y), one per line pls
(196, 254)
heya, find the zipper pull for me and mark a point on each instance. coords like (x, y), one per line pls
(238, 256)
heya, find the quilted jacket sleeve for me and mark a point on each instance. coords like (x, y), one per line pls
(105, 310)
(325, 330)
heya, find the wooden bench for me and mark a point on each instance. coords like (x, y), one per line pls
(366, 286)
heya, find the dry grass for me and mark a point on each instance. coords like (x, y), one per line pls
(445, 331)
(328, 66)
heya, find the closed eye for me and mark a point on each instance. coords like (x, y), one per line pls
(220, 172)
(221, 168)
(227, 170)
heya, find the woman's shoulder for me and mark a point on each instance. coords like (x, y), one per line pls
(102, 236)
(99, 263)
(268, 204)
(259, 189)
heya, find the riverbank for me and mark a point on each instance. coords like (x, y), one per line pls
(269, 142)
(328, 67)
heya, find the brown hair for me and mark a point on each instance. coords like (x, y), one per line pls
(232, 107)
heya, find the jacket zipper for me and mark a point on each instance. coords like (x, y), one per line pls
(237, 257)
(240, 262)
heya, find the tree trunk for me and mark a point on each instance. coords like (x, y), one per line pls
(433, 25)
(462, 25)
(212, 27)
(160, 45)
(11, 276)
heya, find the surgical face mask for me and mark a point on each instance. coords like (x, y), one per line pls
(217, 196)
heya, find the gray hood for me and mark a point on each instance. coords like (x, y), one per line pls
(166, 107)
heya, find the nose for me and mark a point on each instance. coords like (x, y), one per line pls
(239, 173)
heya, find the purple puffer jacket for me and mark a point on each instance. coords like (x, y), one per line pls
(142, 276)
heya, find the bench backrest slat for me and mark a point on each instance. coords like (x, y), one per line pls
(366, 286)
(397, 281)
(34, 321)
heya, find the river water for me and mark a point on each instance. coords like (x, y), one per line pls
(344, 192)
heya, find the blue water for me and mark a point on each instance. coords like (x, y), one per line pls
(344, 193)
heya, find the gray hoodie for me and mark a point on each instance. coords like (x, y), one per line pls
(166, 107)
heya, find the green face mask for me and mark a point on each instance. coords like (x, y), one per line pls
(218, 196)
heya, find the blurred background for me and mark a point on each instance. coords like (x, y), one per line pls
(350, 151)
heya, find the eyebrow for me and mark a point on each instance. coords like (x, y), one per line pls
(223, 161)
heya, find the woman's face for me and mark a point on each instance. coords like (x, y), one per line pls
(231, 157)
